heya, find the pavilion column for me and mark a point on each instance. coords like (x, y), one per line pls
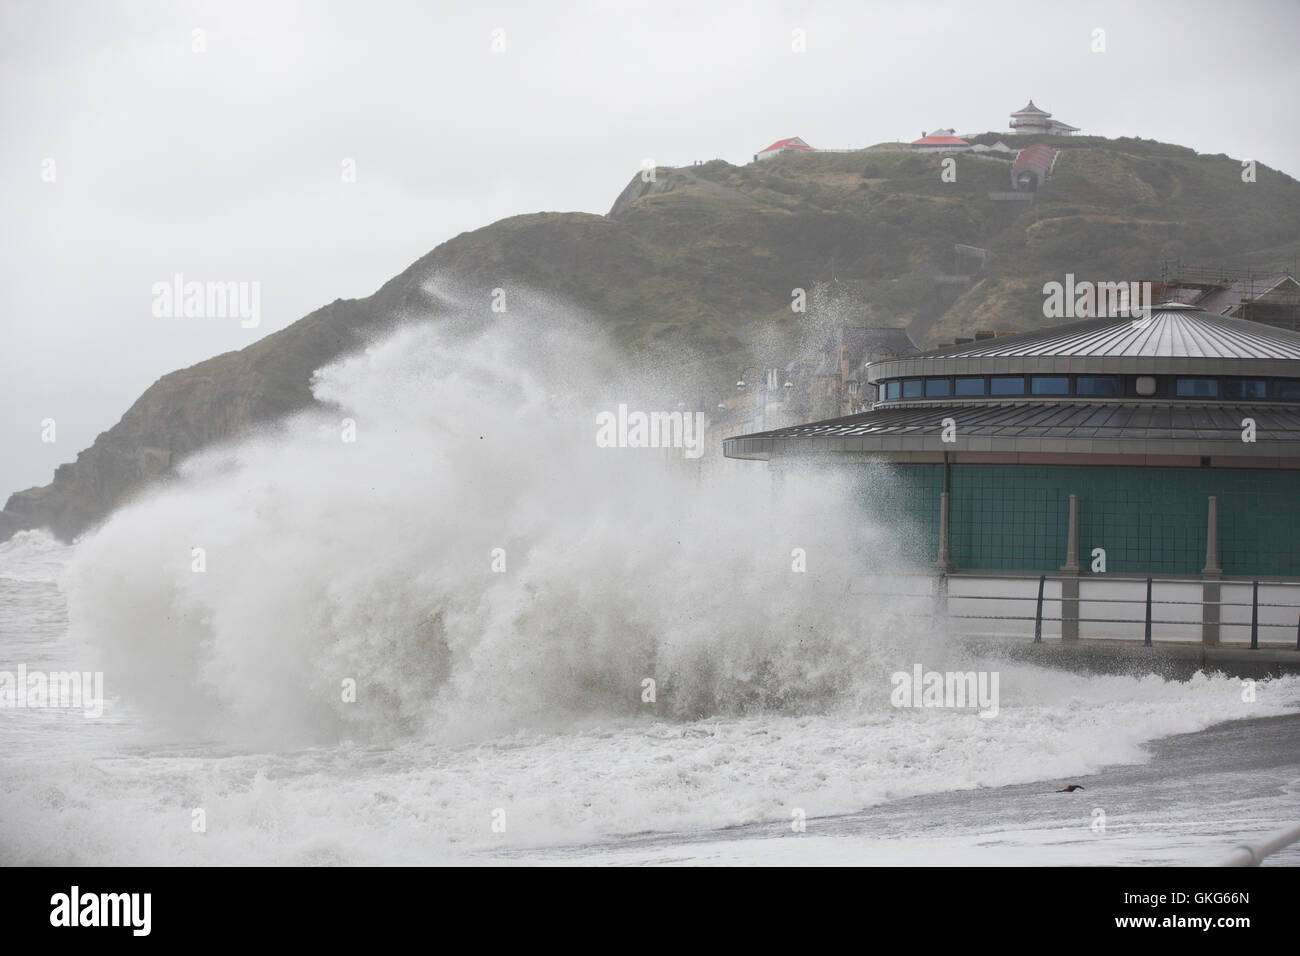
(1211, 576)
(944, 563)
(1070, 577)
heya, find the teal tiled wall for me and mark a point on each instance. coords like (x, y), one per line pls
(1009, 517)
(1149, 520)
(905, 498)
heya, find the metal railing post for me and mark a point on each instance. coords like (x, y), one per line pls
(939, 618)
(1252, 854)
(1147, 634)
(940, 595)
(1254, 616)
(1038, 614)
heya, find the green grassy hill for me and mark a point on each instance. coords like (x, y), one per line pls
(706, 256)
(700, 264)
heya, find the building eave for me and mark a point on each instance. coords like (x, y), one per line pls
(1133, 431)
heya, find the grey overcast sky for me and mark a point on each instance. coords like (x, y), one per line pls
(225, 163)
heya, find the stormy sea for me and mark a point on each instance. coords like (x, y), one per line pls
(433, 620)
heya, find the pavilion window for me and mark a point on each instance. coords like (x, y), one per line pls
(1197, 388)
(1248, 388)
(1049, 385)
(1007, 385)
(1097, 386)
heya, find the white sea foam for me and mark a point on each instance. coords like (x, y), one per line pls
(328, 560)
(34, 557)
(518, 691)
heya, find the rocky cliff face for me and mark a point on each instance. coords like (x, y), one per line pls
(189, 409)
(702, 261)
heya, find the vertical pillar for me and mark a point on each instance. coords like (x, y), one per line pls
(1211, 575)
(1070, 577)
(1072, 540)
(944, 564)
(939, 617)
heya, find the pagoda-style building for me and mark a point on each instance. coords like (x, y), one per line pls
(1031, 120)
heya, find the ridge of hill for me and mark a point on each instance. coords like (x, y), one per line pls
(704, 260)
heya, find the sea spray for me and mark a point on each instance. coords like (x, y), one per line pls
(108, 792)
(443, 548)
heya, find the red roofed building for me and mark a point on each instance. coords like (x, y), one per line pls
(1032, 165)
(793, 144)
(940, 140)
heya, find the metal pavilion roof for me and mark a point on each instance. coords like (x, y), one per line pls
(1175, 338)
(1111, 427)
(1173, 331)
(1120, 420)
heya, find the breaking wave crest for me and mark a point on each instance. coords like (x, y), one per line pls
(327, 561)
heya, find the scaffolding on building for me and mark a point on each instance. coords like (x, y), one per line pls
(1268, 296)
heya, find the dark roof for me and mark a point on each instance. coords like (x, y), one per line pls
(1031, 108)
(1118, 420)
(1117, 427)
(863, 343)
(1223, 301)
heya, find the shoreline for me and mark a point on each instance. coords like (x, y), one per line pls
(1185, 806)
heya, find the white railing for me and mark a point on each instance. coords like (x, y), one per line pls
(1252, 854)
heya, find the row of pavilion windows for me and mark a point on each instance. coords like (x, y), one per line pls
(1233, 388)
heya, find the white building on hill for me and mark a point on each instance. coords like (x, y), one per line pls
(1033, 121)
(793, 144)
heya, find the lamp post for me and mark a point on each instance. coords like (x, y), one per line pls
(761, 390)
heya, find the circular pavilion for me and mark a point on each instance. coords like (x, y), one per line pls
(1172, 442)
